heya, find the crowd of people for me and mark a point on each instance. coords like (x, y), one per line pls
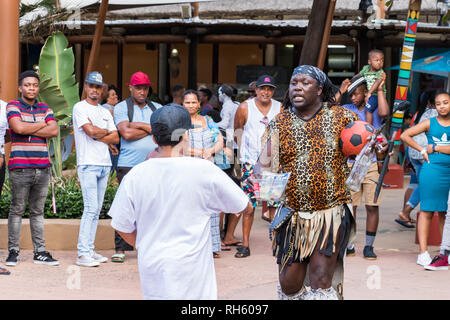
(202, 163)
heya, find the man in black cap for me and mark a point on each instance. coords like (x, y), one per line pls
(163, 208)
(250, 122)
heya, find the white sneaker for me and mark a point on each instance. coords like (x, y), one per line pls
(98, 257)
(424, 259)
(87, 261)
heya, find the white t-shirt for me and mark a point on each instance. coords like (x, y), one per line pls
(3, 125)
(90, 151)
(169, 201)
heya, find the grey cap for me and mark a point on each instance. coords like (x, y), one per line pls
(95, 78)
(170, 122)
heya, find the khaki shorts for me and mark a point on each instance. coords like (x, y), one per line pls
(367, 188)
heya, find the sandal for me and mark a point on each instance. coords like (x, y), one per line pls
(224, 247)
(4, 272)
(406, 224)
(242, 252)
(118, 257)
(238, 243)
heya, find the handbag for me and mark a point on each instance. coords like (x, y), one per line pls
(282, 216)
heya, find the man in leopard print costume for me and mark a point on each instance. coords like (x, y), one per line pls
(303, 140)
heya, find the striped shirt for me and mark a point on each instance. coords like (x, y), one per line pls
(28, 151)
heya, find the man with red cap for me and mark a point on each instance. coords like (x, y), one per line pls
(132, 118)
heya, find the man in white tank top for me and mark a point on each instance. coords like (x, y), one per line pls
(250, 122)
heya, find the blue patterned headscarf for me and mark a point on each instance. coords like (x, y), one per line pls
(321, 78)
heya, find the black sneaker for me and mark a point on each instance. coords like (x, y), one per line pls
(369, 254)
(45, 257)
(13, 258)
(350, 252)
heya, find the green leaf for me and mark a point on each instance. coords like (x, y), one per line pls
(388, 3)
(58, 89)
(445, 18)
(57, 63)
(53, 96)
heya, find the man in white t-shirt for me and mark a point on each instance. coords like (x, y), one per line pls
(94, 130)
(3, 133)
(250, 122)
(4, 137)
(163, 208)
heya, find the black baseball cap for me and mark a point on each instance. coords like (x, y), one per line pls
(356, 81)
(170, 122)
(265, 80)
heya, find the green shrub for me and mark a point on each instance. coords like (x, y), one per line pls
(68, 200)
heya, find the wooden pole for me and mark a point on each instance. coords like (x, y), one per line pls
(120, 68)
(314, 33)
(9, 49)
(381, 12)
(95, 50)
(196, 9)
(193, 63)
(326, 35)
(215, 64)
(163, 71)
(9, 54)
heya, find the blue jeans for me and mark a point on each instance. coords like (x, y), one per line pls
(414, 199)
(93, 181)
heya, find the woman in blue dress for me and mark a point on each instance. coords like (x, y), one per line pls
(435, 172)
(205, 141)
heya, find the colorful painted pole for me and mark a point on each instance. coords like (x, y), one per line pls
(402, 84)
(405, 63)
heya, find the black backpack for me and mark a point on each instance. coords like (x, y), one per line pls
(130, 106)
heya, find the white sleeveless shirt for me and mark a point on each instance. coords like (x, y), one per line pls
(254, 130)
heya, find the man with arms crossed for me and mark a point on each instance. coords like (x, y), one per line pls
(94, 131)
(31, 123)
(136, 138)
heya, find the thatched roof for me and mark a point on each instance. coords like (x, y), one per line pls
(249, 16)
(268, 8)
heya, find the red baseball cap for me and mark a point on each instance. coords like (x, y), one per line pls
(140, 79)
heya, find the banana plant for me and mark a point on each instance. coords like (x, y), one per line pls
(58, 89)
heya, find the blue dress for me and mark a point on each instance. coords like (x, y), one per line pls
(435, 176)
(204, 139)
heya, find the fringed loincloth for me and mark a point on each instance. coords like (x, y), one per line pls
(296, 241)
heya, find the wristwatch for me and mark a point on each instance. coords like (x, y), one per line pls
(434, 148)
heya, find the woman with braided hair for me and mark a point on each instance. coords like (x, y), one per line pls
(303, 140)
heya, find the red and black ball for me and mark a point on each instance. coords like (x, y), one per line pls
(354, 137)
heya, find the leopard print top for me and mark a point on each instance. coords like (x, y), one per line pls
(309, 149)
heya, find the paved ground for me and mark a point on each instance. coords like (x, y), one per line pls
(394, 275)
